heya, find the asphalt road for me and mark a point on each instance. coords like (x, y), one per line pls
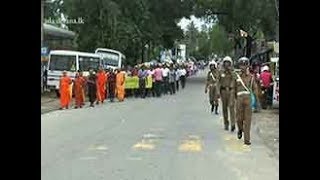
(169, 138)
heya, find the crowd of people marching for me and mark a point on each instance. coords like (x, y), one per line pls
(110, 84)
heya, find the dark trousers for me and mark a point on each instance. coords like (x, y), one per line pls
(157, 88)
(183, 81)
(136, 92)
(177, 85)
(266, 97)
(172, 88)
(92, 90)
(166, 85)
(153, 92)
(142, 87)
(112, 88)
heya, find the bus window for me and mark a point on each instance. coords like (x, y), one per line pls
(87, 63)
(110, 59)
(123, 60)
(62, 63)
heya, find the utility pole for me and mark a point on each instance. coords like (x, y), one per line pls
(42, 16)
(248, 46)
(42, 11)
(277, 21)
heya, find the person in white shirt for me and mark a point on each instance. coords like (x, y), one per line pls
(172, 80)
(165, 75)
(177, 78)
(183, 73)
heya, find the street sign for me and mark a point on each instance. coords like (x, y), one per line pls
(44, 51)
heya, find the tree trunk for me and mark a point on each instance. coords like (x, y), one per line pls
(148, 50)
(248, 46)
(142, 53)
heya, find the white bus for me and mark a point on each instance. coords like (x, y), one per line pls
(70, 61)
(111, 58)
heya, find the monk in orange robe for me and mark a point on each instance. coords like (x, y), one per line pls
(79, 85)
(101, 85)
(65, 82)
(107, 83)
(120, 86)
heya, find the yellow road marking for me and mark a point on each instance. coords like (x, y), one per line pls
(98, 148)
(144, 145)
(191, 144)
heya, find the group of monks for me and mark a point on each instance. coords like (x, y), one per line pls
(98, 86)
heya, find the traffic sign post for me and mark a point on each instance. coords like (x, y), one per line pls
(44, 51)
(44, 54)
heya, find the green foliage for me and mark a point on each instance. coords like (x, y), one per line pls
(219, 42)
(53, 9)
(201, 44)
(127, 25)
(249, 15)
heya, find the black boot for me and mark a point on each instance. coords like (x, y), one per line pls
(212, 108)
(247, 143)
(226, 127)
(233, 128)
(239, 134)
(216, 109)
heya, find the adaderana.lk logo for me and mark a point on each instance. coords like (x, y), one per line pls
(65, 21)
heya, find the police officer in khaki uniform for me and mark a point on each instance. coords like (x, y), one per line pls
(246, 85)
(226, 88)
(212, 78)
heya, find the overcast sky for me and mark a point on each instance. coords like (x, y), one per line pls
(184, 22)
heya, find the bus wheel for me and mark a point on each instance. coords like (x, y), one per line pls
(57, 93)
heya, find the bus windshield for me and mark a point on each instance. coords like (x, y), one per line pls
(109, 58)
(62, 63)
(87, 63)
